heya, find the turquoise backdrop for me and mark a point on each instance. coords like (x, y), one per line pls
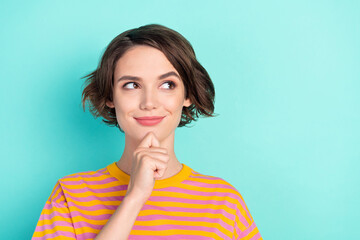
(287, 80)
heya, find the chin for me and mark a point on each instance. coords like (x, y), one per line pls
(140, 133)
(162, 131)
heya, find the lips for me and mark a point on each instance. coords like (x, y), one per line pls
(150, 120)
(149, 117)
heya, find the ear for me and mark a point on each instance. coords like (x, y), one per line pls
(110, 104)
(187, 102)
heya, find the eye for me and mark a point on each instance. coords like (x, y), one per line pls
(171, 84)
(129, 84)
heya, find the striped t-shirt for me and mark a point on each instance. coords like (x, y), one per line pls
(188, 205)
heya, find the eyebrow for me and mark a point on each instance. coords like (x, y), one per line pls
(134, 78)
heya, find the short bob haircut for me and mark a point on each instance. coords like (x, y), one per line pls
(198, 85)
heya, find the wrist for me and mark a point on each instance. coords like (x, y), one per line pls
(131, 198)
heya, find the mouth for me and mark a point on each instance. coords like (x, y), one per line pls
(149, 121)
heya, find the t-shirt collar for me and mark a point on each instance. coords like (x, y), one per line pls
(123, 177)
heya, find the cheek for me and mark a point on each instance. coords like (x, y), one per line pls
(173, 104)
(124, 107)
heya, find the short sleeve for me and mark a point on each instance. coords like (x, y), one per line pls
(55, 221)
(244, 226)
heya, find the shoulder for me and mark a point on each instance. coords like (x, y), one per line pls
(215, 184)
(76, 181)
(230, 195)
(86, 174)
(77, 184)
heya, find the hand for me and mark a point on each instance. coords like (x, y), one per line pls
(149, 162)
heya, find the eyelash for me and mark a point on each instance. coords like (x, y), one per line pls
(170, 83)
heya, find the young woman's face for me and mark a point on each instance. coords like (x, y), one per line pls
(146, 84)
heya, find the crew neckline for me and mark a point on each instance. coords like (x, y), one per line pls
(183, 174)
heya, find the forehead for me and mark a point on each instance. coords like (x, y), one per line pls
(143, 60)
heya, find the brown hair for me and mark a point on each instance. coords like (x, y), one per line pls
(198, 85)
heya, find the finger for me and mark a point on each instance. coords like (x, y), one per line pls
(159, 168)
(152, 149)
(155, 141)
(149, 140)
(156, 155)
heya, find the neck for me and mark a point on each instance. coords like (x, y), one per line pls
(125, 162)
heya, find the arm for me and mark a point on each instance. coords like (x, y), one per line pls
(245, 227)
(55, 220)
(149, 162)
(121, 222)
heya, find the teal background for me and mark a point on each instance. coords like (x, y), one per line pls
(287, 82)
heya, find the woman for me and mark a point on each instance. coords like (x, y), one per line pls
(147, 84)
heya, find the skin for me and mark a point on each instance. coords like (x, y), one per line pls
(148, 96)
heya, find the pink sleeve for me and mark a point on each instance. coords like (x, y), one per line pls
(244, 227)
(55, 221)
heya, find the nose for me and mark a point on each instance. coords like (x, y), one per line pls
(148, 100)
